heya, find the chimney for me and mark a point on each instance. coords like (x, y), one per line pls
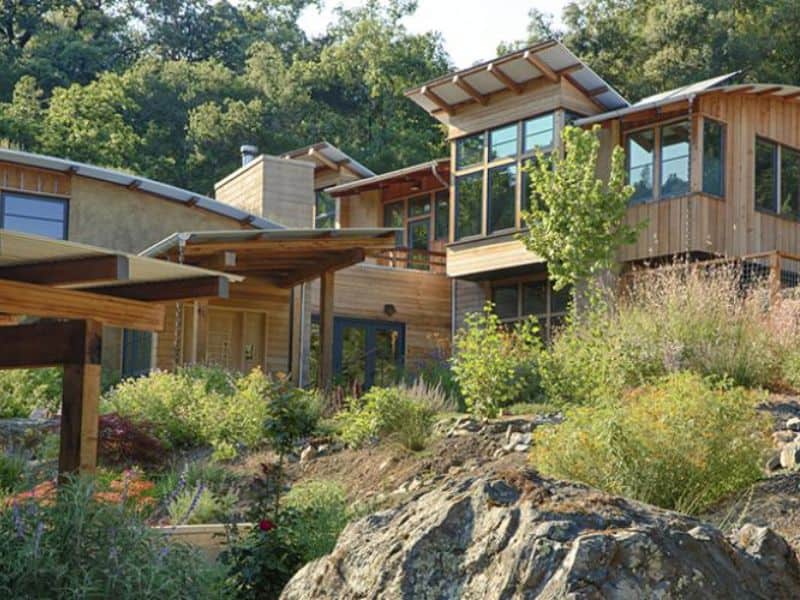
(249, 153)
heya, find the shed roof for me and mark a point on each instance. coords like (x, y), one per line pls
(548, 59)
(143, 184)
(324, 154)
(384, 178)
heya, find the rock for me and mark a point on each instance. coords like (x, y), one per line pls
(790, 455)
(779, 438)
(415, 484)
(39, 413)
(522, 447)
(519, 536)
(323, 448)
(773, 464)
(793, 424)
(309, 453)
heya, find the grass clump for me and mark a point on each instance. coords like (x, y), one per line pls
(392, 413)
(495, 365)
(681, 443)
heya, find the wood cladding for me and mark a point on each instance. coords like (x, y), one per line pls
(35, 181)
(487, 255)
(729, 226)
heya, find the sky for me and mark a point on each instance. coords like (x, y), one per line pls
(472, 29)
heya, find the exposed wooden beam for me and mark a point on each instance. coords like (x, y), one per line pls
(468, 89)
(325, 369)
(601, 89)
(112, 267)
(43, 344)
(211, 286)
(498, 74)
(317, 155)
(221, 261)
(436, 99)
(18, 298)
(193, 201)
(537, 62)
(271, 247)
(579, 87)
(741, 90)
(768, 91)
(135, 184)
(790, 96)
(339, 261)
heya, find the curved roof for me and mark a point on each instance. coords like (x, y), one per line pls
(548, 59)
(143, 184)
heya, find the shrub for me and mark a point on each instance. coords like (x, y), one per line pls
(23, 390)
(681, 444)
(496, 366)
(670, 320)
(201, 405)
(388, 412)
(123, 442)
(80, 548)
(264, 559)
(199, 505)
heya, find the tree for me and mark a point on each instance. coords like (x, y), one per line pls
(576, 220)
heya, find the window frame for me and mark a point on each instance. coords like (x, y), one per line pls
(325, 215)
(64, 202)
(546, 317)
(723, 157)
(777, 179)
(404, 203)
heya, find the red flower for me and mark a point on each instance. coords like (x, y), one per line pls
(266, 525)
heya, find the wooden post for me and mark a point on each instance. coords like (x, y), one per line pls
(80, 403)
(774, 277)
(326, 331)
(200, 348)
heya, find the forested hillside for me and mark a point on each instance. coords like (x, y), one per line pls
(171, 88)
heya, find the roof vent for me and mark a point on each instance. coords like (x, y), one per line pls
(249, 153)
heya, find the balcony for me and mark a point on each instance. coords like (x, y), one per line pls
(416, 259)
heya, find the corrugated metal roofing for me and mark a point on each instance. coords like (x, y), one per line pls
(143, 184)
(333, 154)
(515, 65)
(22, 248)
(275, 235)
(692, 88)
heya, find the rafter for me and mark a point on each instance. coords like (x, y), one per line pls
(317, 155)
(113, 267)
(541, 66)
(335, 262)
(193, 288)
(500, 75)
(436, 99)
(467, 88)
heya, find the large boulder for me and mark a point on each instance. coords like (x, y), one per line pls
(519, 536)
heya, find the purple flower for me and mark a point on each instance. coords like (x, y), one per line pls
(37, 537)
(195, 499)
(18, 523)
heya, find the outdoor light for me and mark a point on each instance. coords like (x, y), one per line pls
(389, 309)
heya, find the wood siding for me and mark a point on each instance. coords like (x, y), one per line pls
(421, 301)
(469, 297)
(18, 178)
(487, 255)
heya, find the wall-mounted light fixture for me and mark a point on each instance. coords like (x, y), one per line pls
(389, 310)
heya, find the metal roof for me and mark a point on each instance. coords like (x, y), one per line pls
(520, 68)
(25, 249)
(333, 154)
(750, 89)
(339, 190)
(692, 88)
(271, 235)
(143, 184)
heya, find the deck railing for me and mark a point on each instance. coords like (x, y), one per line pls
(406, 258)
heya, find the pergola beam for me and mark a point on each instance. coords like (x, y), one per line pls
(18, 298)
(541, 66)
(193, 288)
(500, 75)
(112, 267)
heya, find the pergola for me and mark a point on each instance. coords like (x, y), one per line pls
(284, 258)
(55, 298)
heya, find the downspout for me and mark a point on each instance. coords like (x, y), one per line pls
(438, 177)
(691, 158)
(301, 339)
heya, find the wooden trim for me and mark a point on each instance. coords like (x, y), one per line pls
(75, 270)
(465, 86)
(501, 76)
(17, 298)
(543, 68)
(211, 286)
(326, 299)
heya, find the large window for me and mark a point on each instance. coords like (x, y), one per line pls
(518, 300)
(393, 218)
(469, 201)
(675, 159)
(502, 197)
(777, 188)
(34, 214)
(495, 157)
(420, 219)
(713, 158)
(641, 154)
(443, 215)
(324, 211)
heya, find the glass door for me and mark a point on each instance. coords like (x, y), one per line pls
(419, 238)
(367, 353)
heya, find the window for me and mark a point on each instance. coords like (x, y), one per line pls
(469, 203)
(534, 298)
(766, 175)
(505, 299)
(443, 215)
(503, 142)
(393, 218)
(790, 182)
(539, 132)
(713, 158)
(469, 151)
(419, 206)
(641, 162)
(324, 211)
(675, 159)
(34, 214)
(136, 352)
(502, 197)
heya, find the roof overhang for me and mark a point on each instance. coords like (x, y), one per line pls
(41, 277)
(284, 258)
(327, 156)
(412, 176)
(548, 60)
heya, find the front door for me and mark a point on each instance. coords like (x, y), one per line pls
(367, 353)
